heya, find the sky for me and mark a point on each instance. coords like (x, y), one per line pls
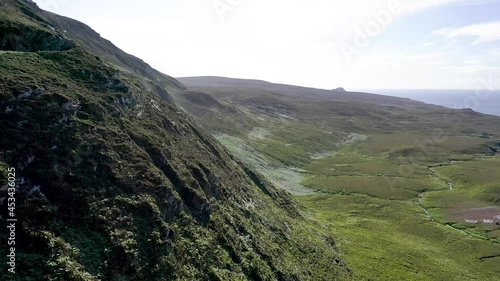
(355, 44)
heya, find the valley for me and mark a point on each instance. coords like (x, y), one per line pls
(126, 173)
(410, 190)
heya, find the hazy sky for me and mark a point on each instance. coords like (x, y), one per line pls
(357, 44)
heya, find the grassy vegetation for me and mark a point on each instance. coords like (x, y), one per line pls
(473, 205)
(116, 183)
(426, 149)
(394, 240)
(479, 179)
(397, 233)
(281, 175)
(371, 193)
(152, 210)
(351, 172)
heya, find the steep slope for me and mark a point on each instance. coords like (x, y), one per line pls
(115, 183)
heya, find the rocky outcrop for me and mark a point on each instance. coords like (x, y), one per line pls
(17, 37)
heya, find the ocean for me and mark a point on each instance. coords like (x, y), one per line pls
(483, 101)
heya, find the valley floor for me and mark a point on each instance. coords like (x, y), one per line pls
(449, 231)
(409, 191)
(431, 222)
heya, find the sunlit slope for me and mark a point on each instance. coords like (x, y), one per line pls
(405, 185)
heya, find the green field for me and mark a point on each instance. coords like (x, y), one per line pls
(474, 203)
(395, 240)
(373, 205)
(391, 180)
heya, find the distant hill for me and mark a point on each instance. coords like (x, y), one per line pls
(223, 82)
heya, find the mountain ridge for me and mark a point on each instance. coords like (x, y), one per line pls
(225, 82)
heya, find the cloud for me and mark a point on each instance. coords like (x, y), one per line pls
(287, 41)
(483, 32)
(473, 68)
(472, 61)
(412, 6)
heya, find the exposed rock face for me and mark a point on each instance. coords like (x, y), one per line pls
(18, 32)
(22, 38)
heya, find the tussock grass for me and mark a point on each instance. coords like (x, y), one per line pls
(394, 240)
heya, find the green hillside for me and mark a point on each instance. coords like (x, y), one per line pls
(115, 182)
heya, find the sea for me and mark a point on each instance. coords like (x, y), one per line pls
(483, 101)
